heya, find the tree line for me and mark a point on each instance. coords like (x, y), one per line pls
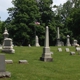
(29, 18)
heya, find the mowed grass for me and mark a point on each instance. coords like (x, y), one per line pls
(63, 67)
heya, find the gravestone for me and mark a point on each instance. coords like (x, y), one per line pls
(68, 41)
(75, 43)
(62, 43)
(46, 56)
(23, 61)
(72, 53)
(60, 49)
(37, 42)
(67, 50)
(3, 72)
(2, 63)
(8, 46)
(58, 38)
(9, 61)
(78, 49)
(29, 45)
(0, 46)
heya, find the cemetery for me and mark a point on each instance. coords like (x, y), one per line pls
(40, 41)
(39, 62)
(64, 66)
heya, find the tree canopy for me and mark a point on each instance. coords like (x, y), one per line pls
(29, 18)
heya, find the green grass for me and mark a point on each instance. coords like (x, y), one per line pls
(63, 67)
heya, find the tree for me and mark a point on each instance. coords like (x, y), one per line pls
(62, 16)
(1, 35)
(21, 21)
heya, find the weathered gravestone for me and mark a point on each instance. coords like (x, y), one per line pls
(29, 45)
(23, 61)
(68, 41)
(37, 42)
(75, 43)
(3, 72)
(67, 50)
(78, 50)
(46, 56)
(58, 38)
(8, 46)
(60, 49)
(9, 61)
(72, 53)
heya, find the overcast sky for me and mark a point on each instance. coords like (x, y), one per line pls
(4, 5)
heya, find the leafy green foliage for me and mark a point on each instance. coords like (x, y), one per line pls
(22, 18)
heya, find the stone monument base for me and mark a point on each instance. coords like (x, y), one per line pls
(37, 45)
(46, 59)
(8, 50)
(5, 74)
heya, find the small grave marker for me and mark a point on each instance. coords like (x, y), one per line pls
(72, 53)
(77, 48)
(67, 50)
(9, 61)
(23, 61)
(60, 49)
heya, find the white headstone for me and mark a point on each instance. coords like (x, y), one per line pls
(68, 41)
(77, 48)
(37, 42)
(23, 61)
(9, 61)
(67, 50)
(29, 45)
(60, 49)
(72, 53)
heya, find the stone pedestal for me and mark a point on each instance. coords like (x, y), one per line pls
(58, 42)
(8, 46)
(3, 72)
(68, 41)
(37, 42)
(46, 56)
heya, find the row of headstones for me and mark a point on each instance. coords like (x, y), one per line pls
(8, 44)
(71, 52)
(59, 43)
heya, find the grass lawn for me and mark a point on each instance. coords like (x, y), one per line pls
(63, 67)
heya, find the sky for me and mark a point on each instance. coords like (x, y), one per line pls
(4, 5)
